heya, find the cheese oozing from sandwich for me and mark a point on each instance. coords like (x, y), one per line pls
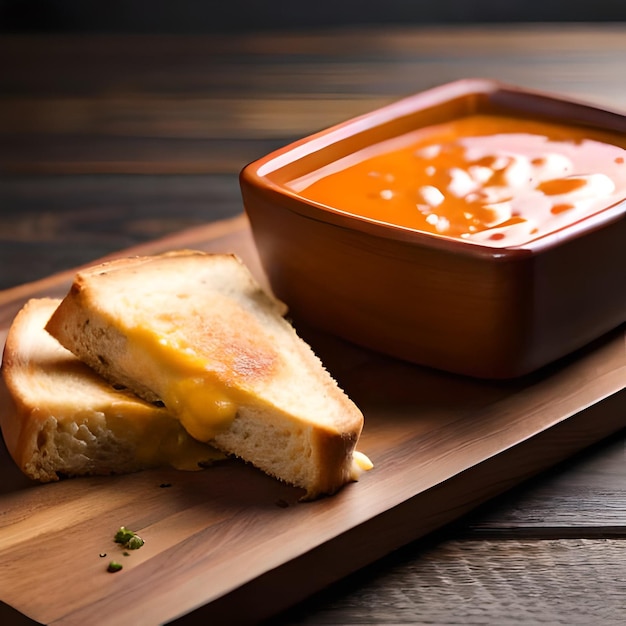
(204, 371)
(61, 418)
(198, 333)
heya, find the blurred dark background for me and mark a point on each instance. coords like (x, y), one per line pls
(206, 16)
(111, 141)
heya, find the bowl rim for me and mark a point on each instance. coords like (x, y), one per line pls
(511, 97)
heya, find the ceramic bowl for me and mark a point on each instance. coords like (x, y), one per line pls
(448, 303)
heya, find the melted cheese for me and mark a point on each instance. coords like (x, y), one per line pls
(202, 405)
(90, 419)
(360, 463)
(156, 437)
(201, 385)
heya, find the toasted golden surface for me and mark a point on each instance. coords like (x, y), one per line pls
(62, 418)
(197, 332)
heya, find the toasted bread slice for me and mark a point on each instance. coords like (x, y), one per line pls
(62, 419)
(197, 332)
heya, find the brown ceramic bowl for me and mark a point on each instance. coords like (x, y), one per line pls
(464, 307)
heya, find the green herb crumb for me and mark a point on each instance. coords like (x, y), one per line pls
(129, 539)
(114, 566)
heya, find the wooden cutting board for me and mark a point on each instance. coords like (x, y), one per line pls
(232, 545)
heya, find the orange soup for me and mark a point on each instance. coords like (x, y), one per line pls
(494, 180)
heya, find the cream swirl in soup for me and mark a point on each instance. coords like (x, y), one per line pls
(494, 180)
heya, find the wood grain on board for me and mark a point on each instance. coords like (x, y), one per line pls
(222, 538)
(107, 143)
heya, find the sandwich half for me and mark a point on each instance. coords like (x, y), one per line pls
(60, 418)
(196, 332)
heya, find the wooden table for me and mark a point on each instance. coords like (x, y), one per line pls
(108, 142)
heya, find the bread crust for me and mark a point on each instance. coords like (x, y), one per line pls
(210, 305)
(58, 418)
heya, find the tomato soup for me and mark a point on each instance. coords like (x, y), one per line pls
(490, 179)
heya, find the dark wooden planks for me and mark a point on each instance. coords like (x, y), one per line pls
(45, 154)
(549, 551)
(522, 581)
(52, 223)
(584, 497)
(158, 104)
(190, 64)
